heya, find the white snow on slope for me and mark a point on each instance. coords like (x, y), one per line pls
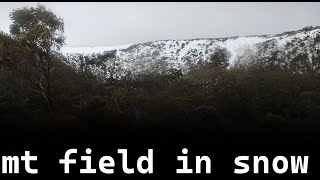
(162, 55)
(235, 46)
(238, 46)
(92, 49)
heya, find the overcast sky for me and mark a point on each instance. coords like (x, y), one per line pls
(108, 24)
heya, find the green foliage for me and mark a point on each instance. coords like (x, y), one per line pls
(32, 52)
(37, 27)
(219, 59)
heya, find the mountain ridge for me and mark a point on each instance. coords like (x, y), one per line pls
(162, 55)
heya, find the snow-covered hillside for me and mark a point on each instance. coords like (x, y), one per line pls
(164, 55)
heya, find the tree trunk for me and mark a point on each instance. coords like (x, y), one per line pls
(50, 96)
(47, 97)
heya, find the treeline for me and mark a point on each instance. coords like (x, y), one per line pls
(208, 99)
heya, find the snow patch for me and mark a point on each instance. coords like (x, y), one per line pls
(91, 50)
(238, 46)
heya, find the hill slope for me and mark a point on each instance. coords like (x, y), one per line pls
(300, 47)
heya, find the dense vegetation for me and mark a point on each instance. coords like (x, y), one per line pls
(209, 99)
